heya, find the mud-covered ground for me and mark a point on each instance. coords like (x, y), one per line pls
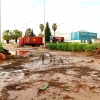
(34, 73)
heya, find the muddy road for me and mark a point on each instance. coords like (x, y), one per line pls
(34, 73)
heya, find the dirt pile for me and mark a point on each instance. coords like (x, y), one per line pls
(96, 51)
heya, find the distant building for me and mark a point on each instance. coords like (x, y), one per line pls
(79, 36)
(96, 40)
(83, 36)
(67, 36)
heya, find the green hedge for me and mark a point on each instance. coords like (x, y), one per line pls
(53, 46)
(1, 47)
(90, 47)
(76, 47)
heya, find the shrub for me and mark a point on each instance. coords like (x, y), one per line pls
(52, 46)
(72, 46)
(64, 47)
(90, 47)
(80, 47)
(76, 47)
(59, 46)
(1, 47)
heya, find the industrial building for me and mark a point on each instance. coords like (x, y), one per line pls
(79, 36)
(83, 36)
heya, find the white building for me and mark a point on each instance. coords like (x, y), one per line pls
(67, 36)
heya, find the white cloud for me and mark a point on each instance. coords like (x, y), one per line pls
(74, 14)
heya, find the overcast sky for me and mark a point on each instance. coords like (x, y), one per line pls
(75, 15)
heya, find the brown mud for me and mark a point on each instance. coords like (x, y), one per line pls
(68, 76)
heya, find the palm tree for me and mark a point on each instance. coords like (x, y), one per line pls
(54, 27)
(7, 35)
(16, 34)
(41, 27)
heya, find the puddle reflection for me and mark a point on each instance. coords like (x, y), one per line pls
(18, 52)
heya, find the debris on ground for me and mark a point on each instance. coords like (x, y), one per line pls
(96, 51)
(44, 88)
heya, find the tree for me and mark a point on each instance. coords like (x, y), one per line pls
(47, 32)
(41, 27)
(32, 33)
(16, 34)
(54, 27)
(28, 32)
(7, 35)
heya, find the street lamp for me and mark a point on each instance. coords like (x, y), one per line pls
(26, 24)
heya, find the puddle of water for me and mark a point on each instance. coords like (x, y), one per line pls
(13, 52)
(18, 52)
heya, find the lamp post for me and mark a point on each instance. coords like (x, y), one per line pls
(26, 24)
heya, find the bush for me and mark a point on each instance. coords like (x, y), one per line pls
(80, 47)
(90, 47)
(72, 46)
(52, 46)
(1, 47)
(76, 47)
(65, 47)
(59, 46)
